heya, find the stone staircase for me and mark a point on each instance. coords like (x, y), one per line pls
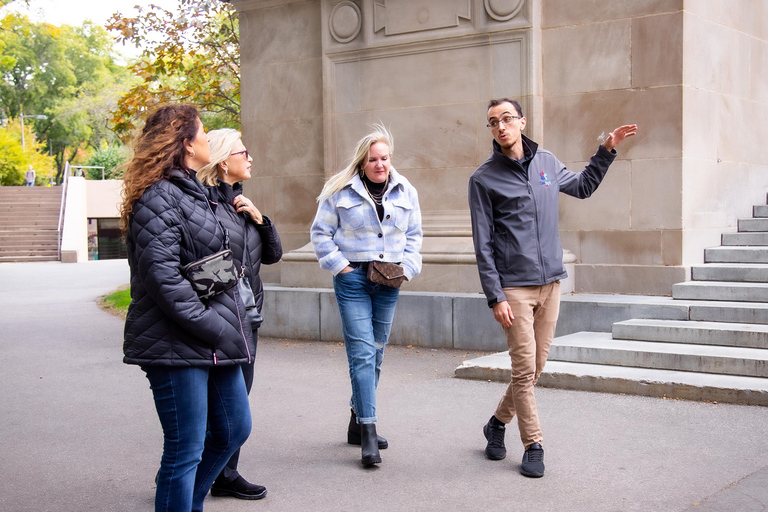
(28, 223)
(719, 354)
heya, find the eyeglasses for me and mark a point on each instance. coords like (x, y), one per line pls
(506, 120)
(247, 155)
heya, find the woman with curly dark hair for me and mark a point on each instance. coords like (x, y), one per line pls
(190, 348)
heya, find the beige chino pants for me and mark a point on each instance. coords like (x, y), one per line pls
(536, 309)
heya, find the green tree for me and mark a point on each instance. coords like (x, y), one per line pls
(67, 73)
(14, 160)
(191, 55)
(110, 157)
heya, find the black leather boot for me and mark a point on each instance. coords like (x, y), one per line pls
(353, 434)
(369, 445)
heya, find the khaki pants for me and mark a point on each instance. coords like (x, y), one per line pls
(536, 309)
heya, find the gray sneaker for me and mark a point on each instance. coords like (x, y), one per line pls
(495, 449)
(533, 461)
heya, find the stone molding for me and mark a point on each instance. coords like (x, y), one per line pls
(345, 22)
(503, 10)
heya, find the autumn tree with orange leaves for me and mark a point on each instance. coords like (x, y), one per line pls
(191, 55)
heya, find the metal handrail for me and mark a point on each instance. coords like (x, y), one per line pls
(64, 185)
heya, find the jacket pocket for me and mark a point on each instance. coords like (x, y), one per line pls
(351, 213)
(403, 209)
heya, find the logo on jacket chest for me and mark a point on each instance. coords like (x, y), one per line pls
(544, 180)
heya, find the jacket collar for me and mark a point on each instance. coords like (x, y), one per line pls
(529, 151)
(229, 192)
(395, 180)
(187, 181)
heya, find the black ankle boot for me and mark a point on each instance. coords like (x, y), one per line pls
(369, 445)
(353, 434)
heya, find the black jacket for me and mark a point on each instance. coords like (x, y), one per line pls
(263, 241)
(172, 224)
(514, 208)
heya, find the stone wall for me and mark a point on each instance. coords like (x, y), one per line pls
(691, 74)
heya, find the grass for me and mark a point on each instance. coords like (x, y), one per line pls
(116, 302)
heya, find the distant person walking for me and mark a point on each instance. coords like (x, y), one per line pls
(254, 240)
(368, 214)
(513, 200)
(30, 176)
(191, 349)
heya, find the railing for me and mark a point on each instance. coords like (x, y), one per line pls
(64, 184)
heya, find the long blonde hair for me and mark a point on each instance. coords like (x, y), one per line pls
(338, 180)
(221, 142)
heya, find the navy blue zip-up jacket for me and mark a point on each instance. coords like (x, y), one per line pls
(514, 207)
(173, 224)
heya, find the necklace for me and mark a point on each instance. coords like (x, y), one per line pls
(377, 197)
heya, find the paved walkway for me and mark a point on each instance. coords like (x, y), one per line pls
(78, 430)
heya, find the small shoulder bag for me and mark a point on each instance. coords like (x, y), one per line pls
(386, 273)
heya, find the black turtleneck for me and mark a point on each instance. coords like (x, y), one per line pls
(376, 189)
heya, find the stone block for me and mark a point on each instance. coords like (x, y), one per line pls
(295, 90)
(509, 70)
(577, 123)
(621, 247)
(348, 129)
(433, 137)
(291, 313)
(657, 50)
(425, 78)
(474, 327)
(280, 33)
(672, 247)
(423, 320)
(330, 319)
(603, 61)
(607, 209)
(555, 13)
(701, 118)
(441, 189)
(288, 147)
(657, 194)
(300, 210)
(641, 279)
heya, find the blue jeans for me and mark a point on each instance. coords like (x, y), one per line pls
(189, 402)
(366, 310)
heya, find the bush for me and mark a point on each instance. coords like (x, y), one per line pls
(109, 157)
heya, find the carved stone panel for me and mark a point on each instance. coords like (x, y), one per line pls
(404, 16)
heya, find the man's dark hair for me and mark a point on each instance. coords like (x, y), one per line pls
(515, 104)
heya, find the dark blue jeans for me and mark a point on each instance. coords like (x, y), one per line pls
(367, 310)
(189, 402)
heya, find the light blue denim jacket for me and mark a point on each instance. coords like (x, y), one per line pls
(346, 227)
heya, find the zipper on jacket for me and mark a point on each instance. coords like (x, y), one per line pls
(538, 236)
(242, 332)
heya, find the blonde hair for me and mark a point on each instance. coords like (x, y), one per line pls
(221, 142)
(340, 179)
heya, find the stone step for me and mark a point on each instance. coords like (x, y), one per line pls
(748, 239)
(15, 206)
(28, 222)
(719, 290)
(631, 381)
(736, 255)
(693, 332)
(751, 225)
(760, 211)
(733, 312)
(28, 259)
(601, 348)
(749, 273)
(16, 252)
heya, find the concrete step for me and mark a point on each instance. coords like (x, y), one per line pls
(601, 348)
(731, 312)
(736, 255)
(751, 225)
(749, 239)
(760, 211)
(745, 273)
(693, 332)
(38, 204)
(16, 252)
(29, 241)
(28, 259)
(719, 290)
(631, 381)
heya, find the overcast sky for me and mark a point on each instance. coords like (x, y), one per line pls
(75, 12)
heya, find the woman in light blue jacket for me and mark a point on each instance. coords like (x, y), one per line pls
(367, 213)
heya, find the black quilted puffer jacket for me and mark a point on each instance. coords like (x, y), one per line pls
(263, 241)
(167, 324)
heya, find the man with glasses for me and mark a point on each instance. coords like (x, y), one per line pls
(513, 199)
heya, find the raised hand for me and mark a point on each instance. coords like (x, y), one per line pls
(618, 135)
(243, 204)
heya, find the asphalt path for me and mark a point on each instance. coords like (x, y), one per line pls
(78, 430)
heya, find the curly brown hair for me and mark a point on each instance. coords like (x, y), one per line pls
(159, 148)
